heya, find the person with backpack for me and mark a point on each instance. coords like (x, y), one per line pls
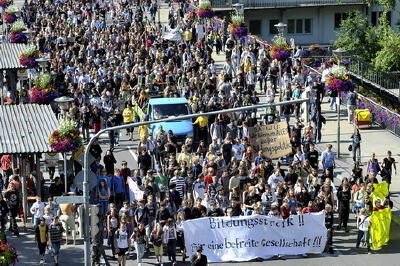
(122, 244)
(13, 202)
(363, 225)
(156, 239)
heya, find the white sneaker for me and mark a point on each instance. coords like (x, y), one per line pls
(41, 261)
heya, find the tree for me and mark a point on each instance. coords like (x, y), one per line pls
(356, 37)
(388, 58)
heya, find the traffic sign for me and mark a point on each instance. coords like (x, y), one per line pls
(79, 156)
(68, 199)
(92, 178)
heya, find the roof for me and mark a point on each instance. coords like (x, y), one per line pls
(26, 128)
(9, 55)
(167, 100)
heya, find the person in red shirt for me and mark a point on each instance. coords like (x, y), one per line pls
(310, 208)
(378, 206)
(208, 179)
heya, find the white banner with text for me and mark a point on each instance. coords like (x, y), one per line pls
(249, 237)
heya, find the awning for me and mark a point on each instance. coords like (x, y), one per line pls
(9, 55)
(26, 128)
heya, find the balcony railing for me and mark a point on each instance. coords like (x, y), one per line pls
(278, 3)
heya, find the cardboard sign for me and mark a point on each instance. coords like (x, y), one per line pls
(272, 139)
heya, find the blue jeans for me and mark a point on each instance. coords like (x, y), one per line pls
(55, 246)
(139, 251)
(103, 207)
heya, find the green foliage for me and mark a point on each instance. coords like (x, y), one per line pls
(379, 45)
(66, 126)
(388, 58)
(386, 4)
(279, 41)
(43, 80)
(237, 19)
(352, 36)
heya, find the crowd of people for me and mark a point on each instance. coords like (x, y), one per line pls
(111, 56)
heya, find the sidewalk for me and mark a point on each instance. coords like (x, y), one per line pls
(374, 139)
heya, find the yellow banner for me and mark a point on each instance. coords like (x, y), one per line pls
(380, 228)
(381, 190)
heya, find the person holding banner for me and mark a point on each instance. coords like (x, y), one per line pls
(199, 259)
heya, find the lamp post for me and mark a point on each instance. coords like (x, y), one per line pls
(64, 103)
(42, 63)
(338, 52)
(29, 34)
(281, 27)
(239, 8)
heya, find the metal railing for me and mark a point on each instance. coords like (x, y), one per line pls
(389, 82)
(382, 116)
(278, 3)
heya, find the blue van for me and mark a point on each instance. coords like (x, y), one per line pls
(161, 108)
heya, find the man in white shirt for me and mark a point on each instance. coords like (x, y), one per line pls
(199, 187)
(275, 179)
(37, 211)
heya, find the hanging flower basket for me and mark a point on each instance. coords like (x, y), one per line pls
(9, 18)
(280, 50)
(238, 28)
(28, 57)
(5, 3)
(339, 80)
(43, 91)
(16, 33)
(8, 254)
(66, 138)
(205, 10)
(279, 53)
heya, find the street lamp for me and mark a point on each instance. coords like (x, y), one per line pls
(338, 52)
(281, 27)
(239, 9)
(42, 63)
(29, 33)
(64, 103)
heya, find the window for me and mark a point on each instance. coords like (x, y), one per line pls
(307, 25)
(376, 15)
(339, 17)
(272, 28)
(255, 27)
(299, 26)
(167, 110)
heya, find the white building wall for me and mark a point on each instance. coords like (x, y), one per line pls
(323, 18)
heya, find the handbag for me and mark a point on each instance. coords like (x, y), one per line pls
(350, 148)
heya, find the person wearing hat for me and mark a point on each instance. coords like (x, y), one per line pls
(42, 237)
(199, 259)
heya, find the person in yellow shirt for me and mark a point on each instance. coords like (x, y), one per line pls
(184, 158)
(143, 130)
(188, 36)
(202, 122)
(129, 116)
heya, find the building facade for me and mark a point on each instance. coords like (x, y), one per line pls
(308, 21)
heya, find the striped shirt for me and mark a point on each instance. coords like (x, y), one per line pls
(179, 181)
(56, 231)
